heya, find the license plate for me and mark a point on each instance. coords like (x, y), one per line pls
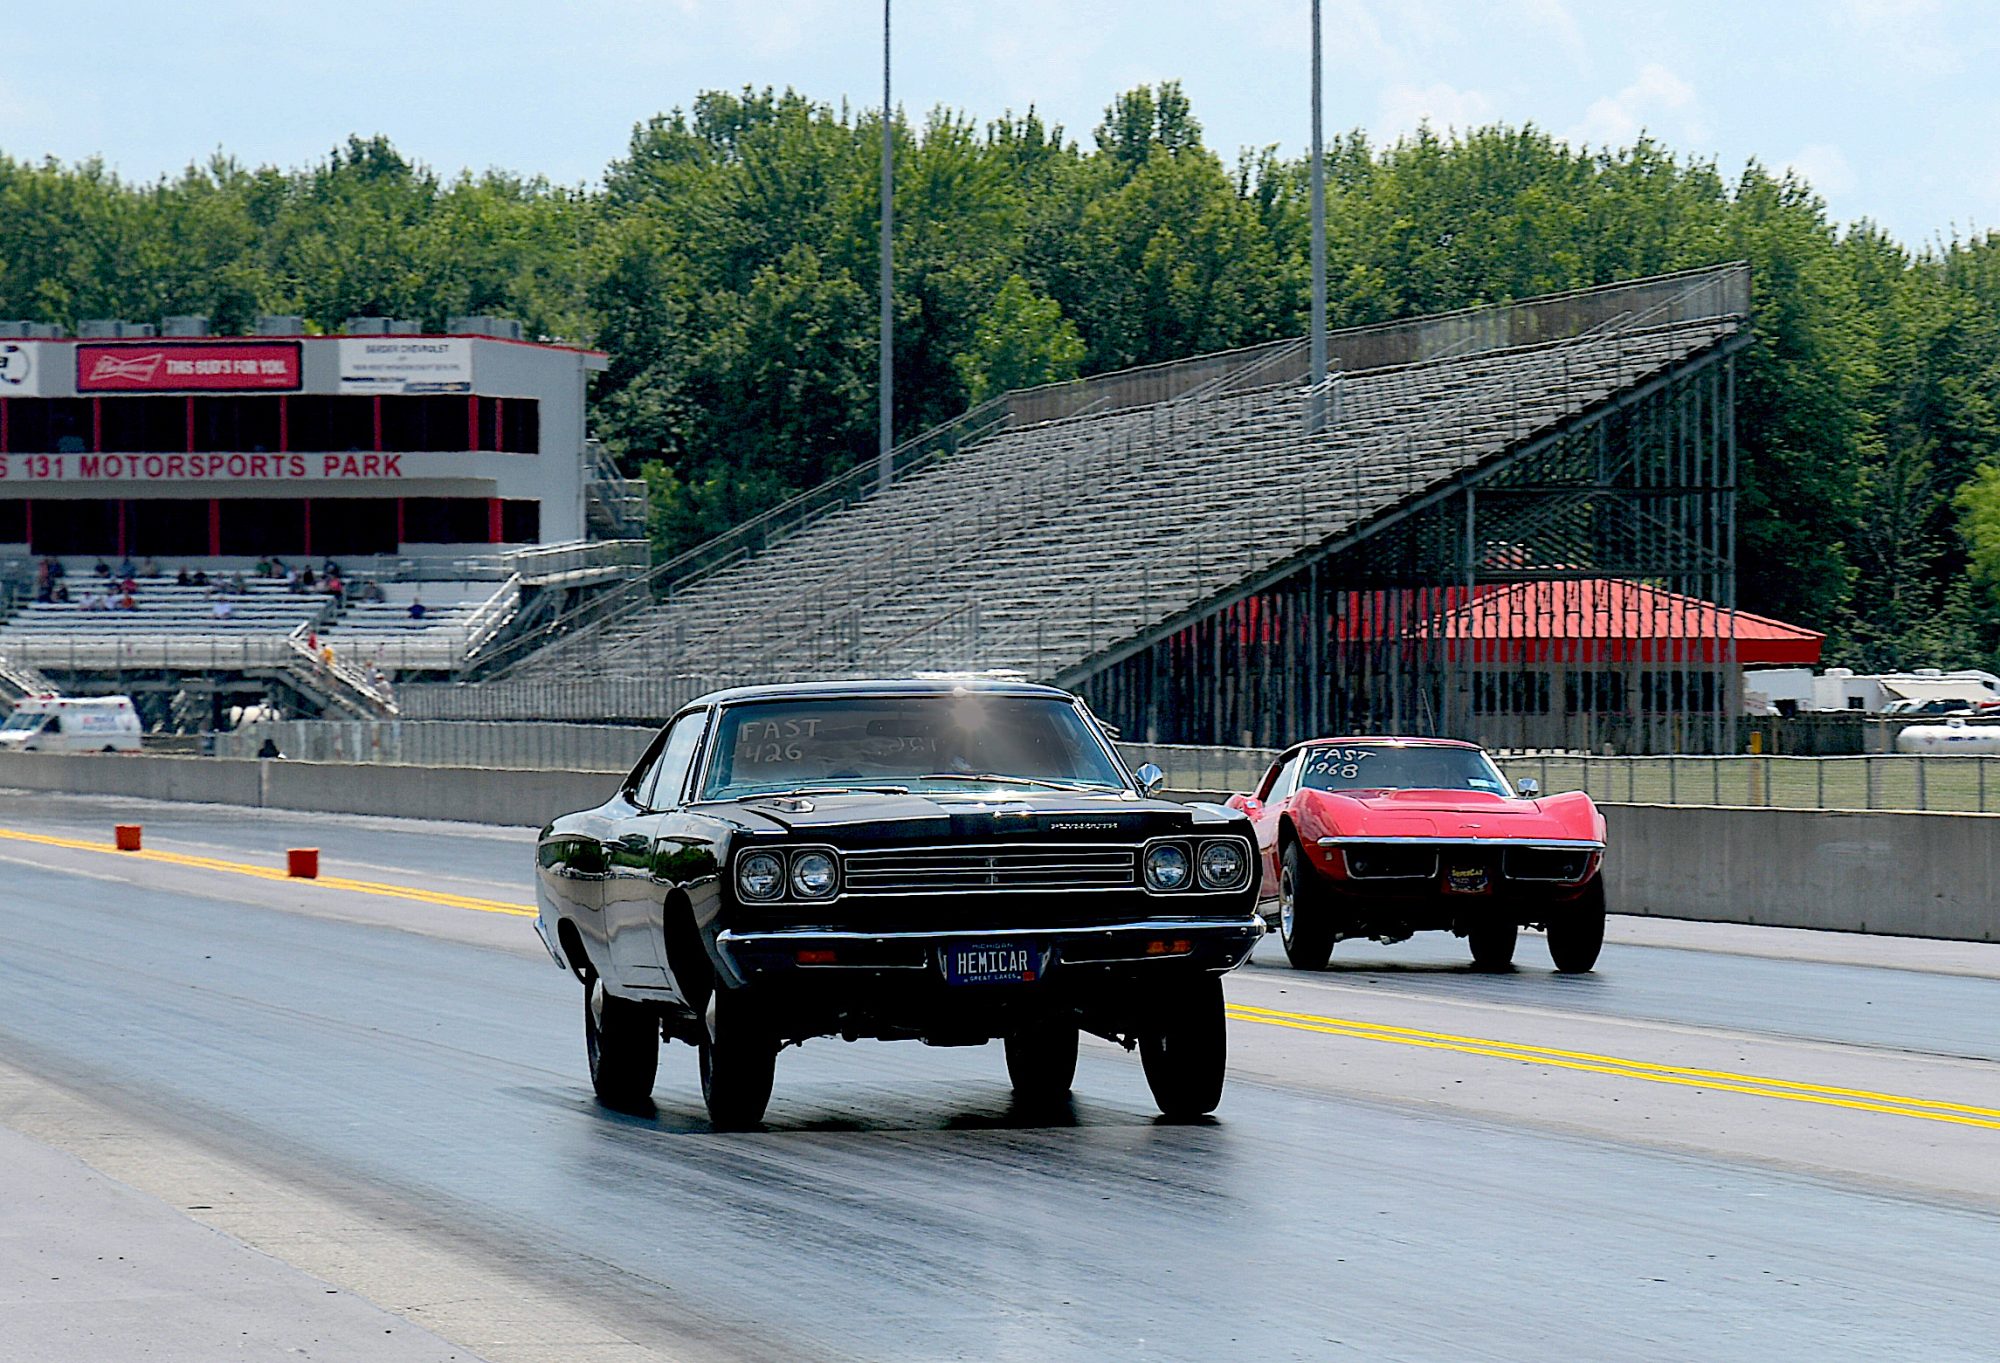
(991, 963)
(1466, 880)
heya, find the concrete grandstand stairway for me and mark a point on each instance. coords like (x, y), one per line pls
(1050, 539)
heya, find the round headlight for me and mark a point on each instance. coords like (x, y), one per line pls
(813, 875)
(1167, 867)
(760, 875)
(1222, 865)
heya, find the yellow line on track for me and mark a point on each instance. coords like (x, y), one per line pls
(1861, 1100)
(244, 868)
(1789, 1090)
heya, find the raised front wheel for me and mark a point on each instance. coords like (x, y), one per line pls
(1305, 924)
(1576, 931)
(622, 1039)
(1186, 1049)
(738, 1062)
(1041, 1062)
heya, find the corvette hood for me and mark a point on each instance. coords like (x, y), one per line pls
(1452, 813)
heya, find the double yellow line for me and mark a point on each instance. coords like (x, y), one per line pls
(241, 868)
(1725, 1081)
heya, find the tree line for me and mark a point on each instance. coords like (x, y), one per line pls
(727, 263)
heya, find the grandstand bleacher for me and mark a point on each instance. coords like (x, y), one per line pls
(1048, 541)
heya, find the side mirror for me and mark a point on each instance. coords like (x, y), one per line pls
(1529, 787)
(1150, 779)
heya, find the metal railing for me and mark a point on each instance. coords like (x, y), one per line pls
(1961, 783)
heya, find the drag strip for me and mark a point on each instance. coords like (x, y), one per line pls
(1412, 1161)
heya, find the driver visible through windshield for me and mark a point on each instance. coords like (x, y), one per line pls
(958, 741)
(1385, 767)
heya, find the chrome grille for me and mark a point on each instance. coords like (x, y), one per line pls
(974, 869)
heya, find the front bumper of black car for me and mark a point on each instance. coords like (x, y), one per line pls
(820, 981)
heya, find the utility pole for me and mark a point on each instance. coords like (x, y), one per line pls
(1318, 415)
(885, 466)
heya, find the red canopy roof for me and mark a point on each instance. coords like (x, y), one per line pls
(1609, 620)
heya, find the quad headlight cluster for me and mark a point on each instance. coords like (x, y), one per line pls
(803, 873)
(1213, 864)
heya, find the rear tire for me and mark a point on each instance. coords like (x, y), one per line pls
(622, 1039)
(1576, 931)
(1304, 924)
(1186, 1051)
(1492, 945)
(739, 1061)
(1041, 1062)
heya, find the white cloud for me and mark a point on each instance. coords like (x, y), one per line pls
(1907, 34)
(1658, 100)
(1553, 18)
(1441, 105)
(1825, 167)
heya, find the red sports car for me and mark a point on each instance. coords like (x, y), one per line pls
(1385, 837)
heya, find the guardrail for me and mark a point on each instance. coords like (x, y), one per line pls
(1961, 783)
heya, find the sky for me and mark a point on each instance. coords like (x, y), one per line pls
(1886, 106)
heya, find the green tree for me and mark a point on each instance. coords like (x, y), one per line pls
(1023, 340)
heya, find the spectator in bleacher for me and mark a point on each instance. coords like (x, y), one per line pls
(102, 569)
(96, 601)
(201, 577)
(148, 568)
(293, 583)
(239, 584)
(336, 589)
(126, 601)
(223, 608)
(61, 593)
(263, 567)
(128, 585)
(307, 577)
(330, 569)
(127, 568)
(371, 591)
(44, 584)
(56, 568)
(416, 608)
(184, 578)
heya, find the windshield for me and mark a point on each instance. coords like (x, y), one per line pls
(1400, 768)
(918, 743)
(17, 722)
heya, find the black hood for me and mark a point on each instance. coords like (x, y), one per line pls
(867, 817)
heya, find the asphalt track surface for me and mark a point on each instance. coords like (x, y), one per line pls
(1726, 1143)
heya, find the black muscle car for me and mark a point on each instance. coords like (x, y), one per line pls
(951, 861)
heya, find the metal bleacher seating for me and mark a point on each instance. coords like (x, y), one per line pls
(1040, 545)
(172, 624)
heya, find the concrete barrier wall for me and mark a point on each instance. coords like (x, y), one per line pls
(1911, 875)
(1917, 875)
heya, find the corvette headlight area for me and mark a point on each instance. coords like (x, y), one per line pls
(1209, 864)
(766, 875)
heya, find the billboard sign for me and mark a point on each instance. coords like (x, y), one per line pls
(18, 370)
(153, 367)
(405, 364)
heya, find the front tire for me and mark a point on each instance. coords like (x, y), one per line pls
(1305, 925)
(1492, 945)
(739, 1061)
(1186, 1051)
(1041, 1062)
(1576, 931)
(622, 1039)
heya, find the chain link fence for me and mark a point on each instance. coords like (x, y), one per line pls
(1959, 784)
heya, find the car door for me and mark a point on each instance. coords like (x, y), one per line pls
(632, 897)
(1279, 785)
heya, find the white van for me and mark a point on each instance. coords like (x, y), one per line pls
(71, 724)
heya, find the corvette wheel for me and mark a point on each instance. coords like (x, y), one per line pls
(738, 1063)
(1492, 945)
(622, 1039)
(1576, 931)
(1305, 925)
(1186, 1050)
(1041, 1062)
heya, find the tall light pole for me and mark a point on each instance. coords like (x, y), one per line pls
(1318, 245)
(884, 465)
